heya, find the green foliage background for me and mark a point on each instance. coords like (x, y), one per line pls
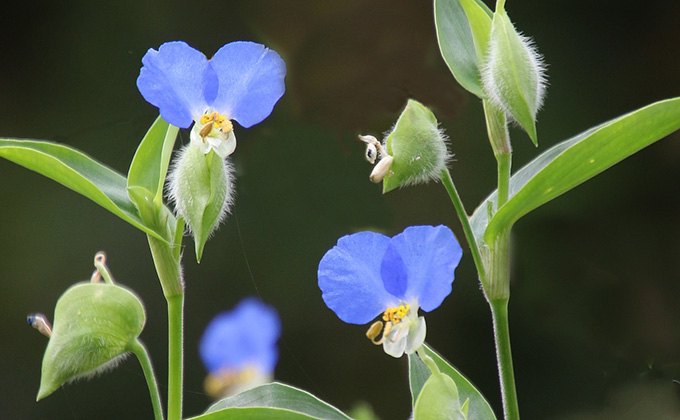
(594, 312)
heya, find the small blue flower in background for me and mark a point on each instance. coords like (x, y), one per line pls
(238, 348)
(368, 273)
(242, 82)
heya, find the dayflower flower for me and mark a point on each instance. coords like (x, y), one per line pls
(238, 348)
(367, 274)
(241, 82)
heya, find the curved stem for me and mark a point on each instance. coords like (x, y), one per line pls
(499, 309)
(138, 349)
(464, 221)
(429, 362)
(175, 355)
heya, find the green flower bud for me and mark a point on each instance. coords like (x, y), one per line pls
(202, 190)
(94, 325)
(417, 147)
(514, 74)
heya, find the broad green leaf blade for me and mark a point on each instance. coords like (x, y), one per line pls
(479, 408)
(150, 163)
(77, 171)
(480, 17)
(439, 400)
(272, 401)
(457, 42)
(254, 413)
(568, 164)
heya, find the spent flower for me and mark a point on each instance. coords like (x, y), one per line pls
(413, 152)
(367, 274)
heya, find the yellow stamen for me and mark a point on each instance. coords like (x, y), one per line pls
(216, 384)
(374, 331)
(214, 121)
(395, 315)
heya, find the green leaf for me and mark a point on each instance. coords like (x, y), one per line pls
(479, 408)
(273, 401)
(480, 18)
(568, 164)
(150, 163)
(462, 41)
(438, 399)
(79, 172)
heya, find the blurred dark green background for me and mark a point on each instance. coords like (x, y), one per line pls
(594, 312)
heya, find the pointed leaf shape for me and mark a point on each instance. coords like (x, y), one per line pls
(513, 75)
(201, 186)
(478, 407)
(568, 164)
(460, 39)
(94, 325)
(79, 172)
(438, 400)
(150, 164)
(274, 401)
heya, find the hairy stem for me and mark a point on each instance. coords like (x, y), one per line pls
(175, 355)
(138, 349)
(464, 221)
(499, 309)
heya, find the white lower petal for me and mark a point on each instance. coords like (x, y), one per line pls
(226, 147)
(395, 343)
(198, 141)
(416, 336)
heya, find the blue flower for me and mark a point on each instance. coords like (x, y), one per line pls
(238, 348)
(368, 273)
(242, 82)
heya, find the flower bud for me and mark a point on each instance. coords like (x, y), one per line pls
(202, 190)
(514, 74)
(417, 146)
(94, 325)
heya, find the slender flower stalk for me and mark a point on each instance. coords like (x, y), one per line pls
(464, 221)
(143, 356)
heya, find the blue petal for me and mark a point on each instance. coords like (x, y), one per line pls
(393, 272)
(177, 79)
(349, 277)
(250, 81)
(244, 337)
(430, 254)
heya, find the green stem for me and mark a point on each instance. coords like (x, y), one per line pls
(100, 265)
(175, 355)
(499, 309)
(429, 362)
(464, 220)
(504, 167)
(138, 349)
(166, 261)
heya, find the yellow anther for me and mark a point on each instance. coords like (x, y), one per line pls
(214, 121)
(225, 125)
(374, 331)
(395, 315)
(209, 117)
